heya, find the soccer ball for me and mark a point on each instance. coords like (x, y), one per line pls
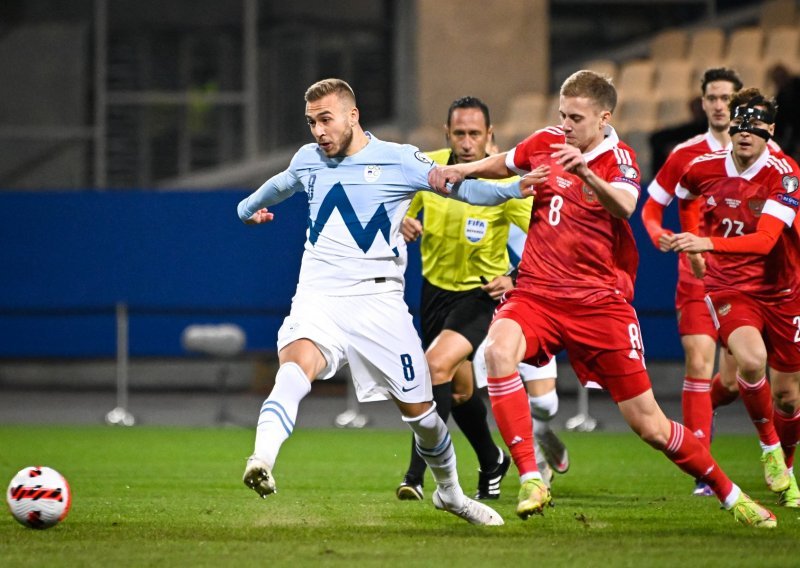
(39, 497)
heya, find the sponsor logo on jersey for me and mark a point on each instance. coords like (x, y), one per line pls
(563, 182)
(724, 310)
(372, 173)
(756, 205)
(422, 157)
(732, 203)
(790, 183)
(628, 172)
(711, 201)
(788, 200)
(475, 229)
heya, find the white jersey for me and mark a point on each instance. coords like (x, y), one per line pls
(356, 207)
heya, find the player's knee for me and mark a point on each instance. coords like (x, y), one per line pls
(752, 363)
(697, 365)
(499, 356)
(786, 399)
(440, 371)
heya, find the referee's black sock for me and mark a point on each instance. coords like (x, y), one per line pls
(471, 417)
(443, 397)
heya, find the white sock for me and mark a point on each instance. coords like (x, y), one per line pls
(530, 475)
(544, 407)
(730, 500)
(279, 411)
(435, 446)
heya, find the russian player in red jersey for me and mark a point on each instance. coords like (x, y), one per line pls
(701, 393)
(753, 287)
(574, 286)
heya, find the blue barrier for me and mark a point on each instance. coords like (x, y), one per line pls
(178, 258)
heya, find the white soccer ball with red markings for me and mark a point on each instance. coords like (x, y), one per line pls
(39, 497)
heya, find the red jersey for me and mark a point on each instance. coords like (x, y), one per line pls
(662, 188)
(733, 204)
(576, 250)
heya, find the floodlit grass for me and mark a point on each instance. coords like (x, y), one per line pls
(174, 497)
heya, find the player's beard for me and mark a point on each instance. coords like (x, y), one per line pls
(344, 146)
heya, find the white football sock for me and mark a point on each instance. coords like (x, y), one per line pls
(279, 411)
(544, 407)
(435, 446)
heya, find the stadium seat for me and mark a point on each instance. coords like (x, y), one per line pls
(673, 111)
(636, 114)
(782, 45)
(526, 107)
(674, 79)
(551, 115)
(705, 48)
(525, 115)
(744, 44)
(754, 74)
(775, 13)
(636, 79)
(605, 66)
(669, 44)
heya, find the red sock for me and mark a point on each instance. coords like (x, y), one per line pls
(788, 428)
(720, 395)
(696, 400)
(688, 453)
(757, 400)
(512, 412)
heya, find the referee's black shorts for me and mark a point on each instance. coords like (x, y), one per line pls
(468, 313)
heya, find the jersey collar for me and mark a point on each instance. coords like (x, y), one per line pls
(714, 144)
(752, 171)
(610, 141)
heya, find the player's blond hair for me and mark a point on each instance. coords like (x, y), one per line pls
(592, 85)
(327, 87)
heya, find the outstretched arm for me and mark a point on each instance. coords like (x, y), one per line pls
(274, 190)
(491, 167)
(482, 192)
(761, 242)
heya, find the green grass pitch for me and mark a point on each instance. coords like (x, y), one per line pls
(149, 496)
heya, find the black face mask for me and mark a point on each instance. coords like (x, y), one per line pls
(748, 115)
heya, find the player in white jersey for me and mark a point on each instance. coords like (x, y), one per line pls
(349, 307)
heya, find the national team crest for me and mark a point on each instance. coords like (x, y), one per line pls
(372, 173)
(475, 229)
(790, 183)
(724, 310)
(756, 205)
(588, 194)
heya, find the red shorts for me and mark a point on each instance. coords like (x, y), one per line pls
(779, 324)
(602, 339)
(692, 310)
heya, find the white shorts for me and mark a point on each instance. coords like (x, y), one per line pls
(527, 372)
(373, 333)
